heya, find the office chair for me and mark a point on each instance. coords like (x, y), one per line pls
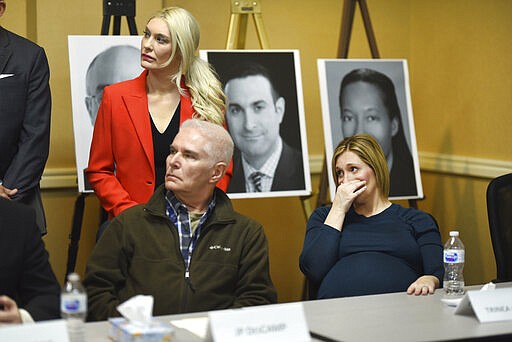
(499, 211)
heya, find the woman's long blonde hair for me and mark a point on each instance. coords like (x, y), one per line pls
(204, 87)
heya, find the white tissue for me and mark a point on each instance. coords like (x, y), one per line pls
(137, 310)
(455, 302)
(488, 286)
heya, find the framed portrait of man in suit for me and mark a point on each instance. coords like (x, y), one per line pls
(372, 97)
(95, 62)
(265, 118)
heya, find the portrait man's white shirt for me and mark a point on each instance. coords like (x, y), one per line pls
(267, 170)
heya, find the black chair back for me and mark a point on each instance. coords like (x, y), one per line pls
(499, 211)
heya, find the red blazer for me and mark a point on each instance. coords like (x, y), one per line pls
(121, 166)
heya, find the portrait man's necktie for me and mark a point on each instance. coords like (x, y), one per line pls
(255, 178)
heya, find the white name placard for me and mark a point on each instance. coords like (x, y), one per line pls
(47, 331)
(488, 306)
(278, 322)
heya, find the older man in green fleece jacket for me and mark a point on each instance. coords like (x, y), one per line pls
(187, 247)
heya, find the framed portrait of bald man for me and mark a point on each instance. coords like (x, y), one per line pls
(95, 62)
(265, 118)
(372, 97)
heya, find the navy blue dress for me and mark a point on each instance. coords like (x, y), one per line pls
(371, 255)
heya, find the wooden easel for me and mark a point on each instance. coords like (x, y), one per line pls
(117, 9)
(347, 21)
(240, 11)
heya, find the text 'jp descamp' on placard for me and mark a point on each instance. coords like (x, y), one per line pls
(278, 322)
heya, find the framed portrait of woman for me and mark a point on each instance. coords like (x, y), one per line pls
(372, 97)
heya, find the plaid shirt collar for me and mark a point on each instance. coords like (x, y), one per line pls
(179, 216)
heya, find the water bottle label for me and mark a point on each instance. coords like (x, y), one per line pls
(73, 303)
(453, 256)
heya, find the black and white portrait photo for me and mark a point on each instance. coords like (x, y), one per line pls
(265, 118)
(95, 62)
(372, 97)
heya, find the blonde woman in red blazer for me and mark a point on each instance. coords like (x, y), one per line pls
(121, 166)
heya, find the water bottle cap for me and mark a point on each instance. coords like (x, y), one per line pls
(454, 233)
(73, 277)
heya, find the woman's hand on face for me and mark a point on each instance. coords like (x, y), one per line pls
(347, 192)
(345, 195)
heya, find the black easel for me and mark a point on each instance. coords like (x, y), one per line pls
(118, 9)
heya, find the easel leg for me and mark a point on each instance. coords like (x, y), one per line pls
(413, 203)
(323, 194)
(234, 25)
(117, 25)
(132, 26)
(369, 30)
(347, 19)
(105, 25)
(74, 236)
(262, 35)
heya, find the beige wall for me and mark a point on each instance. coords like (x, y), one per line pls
(459, 63)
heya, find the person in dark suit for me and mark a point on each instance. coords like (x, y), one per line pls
(25, 108)
(263, 161)
(29, 290)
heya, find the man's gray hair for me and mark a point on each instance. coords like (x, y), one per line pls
(219, 144)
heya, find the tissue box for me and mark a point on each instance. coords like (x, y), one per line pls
(123, 331)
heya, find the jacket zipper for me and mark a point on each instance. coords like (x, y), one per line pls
(188, 283)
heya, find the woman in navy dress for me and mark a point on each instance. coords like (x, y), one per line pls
(364, 244)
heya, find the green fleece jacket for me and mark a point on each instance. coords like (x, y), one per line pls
(139, 253)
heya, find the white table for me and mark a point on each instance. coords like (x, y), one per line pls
(387, 317)
(397, 317)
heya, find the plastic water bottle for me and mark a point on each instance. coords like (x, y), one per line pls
(453, 256)
(73, 307)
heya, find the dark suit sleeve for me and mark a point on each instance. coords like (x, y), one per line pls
(38, 290)
(27, 166)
